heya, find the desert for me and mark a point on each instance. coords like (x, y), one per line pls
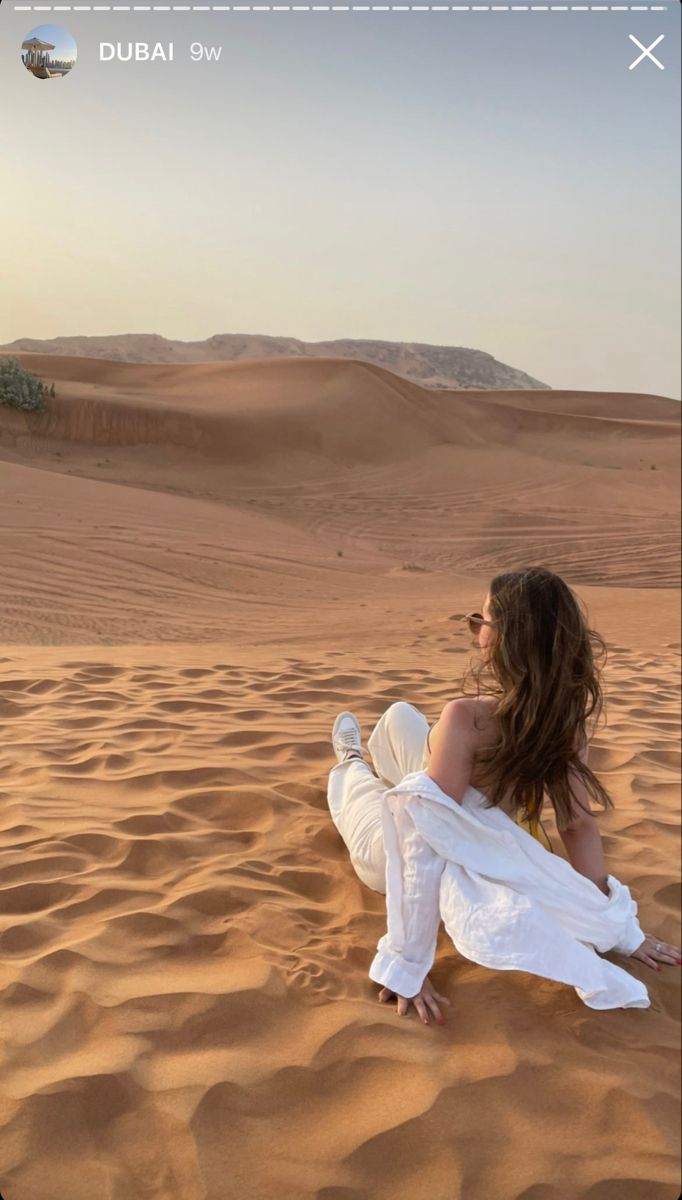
(203, 562)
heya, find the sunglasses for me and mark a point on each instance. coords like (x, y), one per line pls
(475, 620)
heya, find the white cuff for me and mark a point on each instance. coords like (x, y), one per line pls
(630, 936)
(394, 972)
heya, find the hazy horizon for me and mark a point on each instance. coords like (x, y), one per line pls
(289, 336)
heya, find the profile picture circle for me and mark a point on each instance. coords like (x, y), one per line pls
(48, 52)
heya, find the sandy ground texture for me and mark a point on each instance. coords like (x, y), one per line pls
(199, 567)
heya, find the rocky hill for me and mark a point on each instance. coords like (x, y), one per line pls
(431, 366)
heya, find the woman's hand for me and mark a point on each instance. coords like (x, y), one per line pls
(426, 1001)
(647, 953)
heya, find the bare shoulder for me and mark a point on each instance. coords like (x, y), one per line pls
(463, 721)
(476, 711)
(473, 701)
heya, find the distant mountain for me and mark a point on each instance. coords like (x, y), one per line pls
(431, 366)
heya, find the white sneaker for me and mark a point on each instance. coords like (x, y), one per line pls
(346, 738)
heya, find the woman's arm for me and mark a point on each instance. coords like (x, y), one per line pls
(585, 852)
(453, 739)
(405, 954)
(582, 837)
(413, 872)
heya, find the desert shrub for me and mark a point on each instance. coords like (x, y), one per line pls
(20, 388)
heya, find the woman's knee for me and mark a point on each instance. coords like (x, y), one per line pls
(400, 708)
(402, 714)
(389, 718)
(400, 721)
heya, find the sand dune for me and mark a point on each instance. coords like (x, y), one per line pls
(191, 591)
(332, 407)
(291, 482)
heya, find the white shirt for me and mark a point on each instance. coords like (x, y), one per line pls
(506, 901)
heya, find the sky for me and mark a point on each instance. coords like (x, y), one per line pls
(56, 35)
(497, 180)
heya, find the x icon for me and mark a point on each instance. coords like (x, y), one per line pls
(646, 52)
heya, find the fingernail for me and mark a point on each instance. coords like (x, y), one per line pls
(440, 1020)
(425, 1021)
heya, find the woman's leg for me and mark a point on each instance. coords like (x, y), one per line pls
(397, 742)
(355, 795)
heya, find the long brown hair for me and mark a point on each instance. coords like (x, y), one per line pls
(545, 664)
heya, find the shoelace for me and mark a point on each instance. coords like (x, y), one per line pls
(346, 739)
(347, 736)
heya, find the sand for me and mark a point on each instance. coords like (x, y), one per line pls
(201, 567)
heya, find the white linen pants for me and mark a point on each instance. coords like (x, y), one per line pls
(397, 745)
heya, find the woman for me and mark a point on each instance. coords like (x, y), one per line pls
(452, 827)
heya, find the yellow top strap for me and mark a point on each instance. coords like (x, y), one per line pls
(537, 830)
